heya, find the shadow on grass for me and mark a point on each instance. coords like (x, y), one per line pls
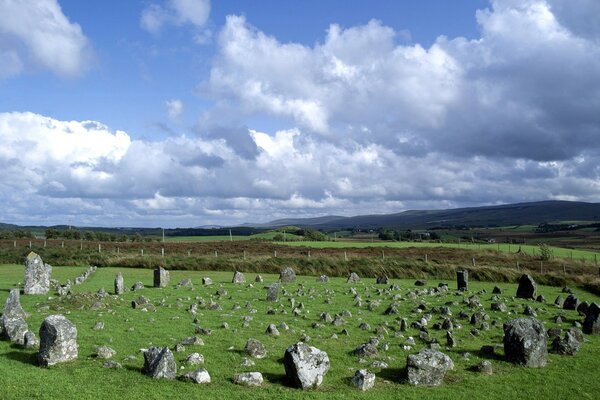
(279, 379)
(395, 375)
(23, 357)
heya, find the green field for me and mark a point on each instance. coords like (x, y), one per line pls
(128, 330)
(226, 238)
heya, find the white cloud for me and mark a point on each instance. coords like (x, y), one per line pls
(47, 36)
(174, 109)
(178, 13)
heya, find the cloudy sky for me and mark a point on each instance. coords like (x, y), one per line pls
(192, 112)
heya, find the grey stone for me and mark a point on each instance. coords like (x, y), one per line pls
(571, 302)
(305, 366)
(526, 342)
(591, 323)
(499, 307)
(105, 352)
(485, 367)
(582, 308)
(323, 279)
(287, 275)
(111, 364)
(30, 341)
(363, 379)
(353, 277)
(420, 282)
(195, 359)
(58, 341)
(559, 301)
(198, 376)
(273, 292)
(137, 286)
(161, 277)
(255, 349)
(428, 367)
(207, 281)
(570, 344)
(187, 282)
(14, 329)
(462, 280)
(12, 306)
(381, 280)
(258, 279)
(37, 275)
(272, 330)
(496, 290)
(119, 284)
(238, 277)
(248, 379)
(159, 363)
(366, 350)
(527, 287)
(99, 326)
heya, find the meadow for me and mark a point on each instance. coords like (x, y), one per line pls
(127, 330)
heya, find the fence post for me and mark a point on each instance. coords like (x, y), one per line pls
(15, 244)
(142, 252)
(216, 254)
(275, 253)
(345, 257)
(30, 244)
(162, 252)
(426, 262)
(244, 254)
(309, 254)
(44, 243)
(99, 248)
(189, 253)
(541, 267)
(473, 261)
(382, 255)
(62, 244)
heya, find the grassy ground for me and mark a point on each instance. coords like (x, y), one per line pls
(127, 330)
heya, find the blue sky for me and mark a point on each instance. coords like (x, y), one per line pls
(194, 112)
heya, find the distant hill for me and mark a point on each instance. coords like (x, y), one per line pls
(532, 213)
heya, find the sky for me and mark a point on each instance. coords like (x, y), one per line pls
(183, 113)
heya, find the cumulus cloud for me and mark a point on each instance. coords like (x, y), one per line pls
(174, 109)
(178, 13)
(39, 31)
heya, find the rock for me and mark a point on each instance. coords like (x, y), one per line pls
(12, 306)
(248, 379)
(366, 350)
(353, 277)
(105, 352)
(159, 363)
(420, 282)
(187, 282)
(499, 307)
(58, 341)
(582, 308)
(30, 341)
(119, 284)
(255, 349)
(462, 280)
(37, 275)
(571, 302)
(137, 286)
(527, 287)
(528, 310)
(14, 329)
(428, 367)
(450, 341)
(140, 302)
(591, 323)
(305, 366)
(570, 344)
(525, 342)
(195, 359)
(258, 279)
(559, 301)
(207, 281)
(238, 277)
(272, 330)
(198, 376)
(381, 280)
(246, 362)
(161, 277)
(485, 367)
(287, 275)
(496, 290)
(363, 379)
(323, 279)
(273, 292)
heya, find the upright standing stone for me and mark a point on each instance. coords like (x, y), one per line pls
(381, 280)
(353, 277)
(37, 275)
(591, 323)
(273, 292)
(526, 342)
(287, 275)
(305, 366)
(238, 277)
(527, 287)
(119, 284)
(13, 328)
(462, 280)
(12, 307)
(159, 363)
(58, 341)
(428, 367)
(161, 277)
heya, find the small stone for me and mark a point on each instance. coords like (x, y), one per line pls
(195, 359)
(105, 352)
(255, 349)
(485, 367)
(199, 376)
(248, 379)
(363, 379)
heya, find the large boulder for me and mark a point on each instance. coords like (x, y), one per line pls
(12, 306)
(58, 341)
(14, 328)
(305, 366)
(37, 275)
(571, 302)
(526, 342)
(238, 277)
(591, 323)
(527, 287)
(119, 284)
(159, 363)
(161, 277)
(287, 275)
(570, 344)
(428, 367)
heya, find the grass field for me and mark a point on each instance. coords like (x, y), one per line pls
(264, 236)
(127, 330)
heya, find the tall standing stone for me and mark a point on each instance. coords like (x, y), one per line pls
(37, 275)
(305, 366)
(58, 341)
(462, 280)
(161, 277)
(527, 287)
(119, 284)
(238, 277)
(287, 275)
(526, 342)
(591, 323)
(12, 307)
(273, 292)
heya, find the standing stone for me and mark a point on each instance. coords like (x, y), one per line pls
(363, 379)
(12, 307)
(273, 292)
(571, 302)
(13, 328)
(353, 277)
(238, 277)
(206, 281)
(159, 363)
(462, 280)
(570, 344)
(526, 342)
(58, 341)
(258, 278)
(527, 287)
(37, 275)
(323, 279)
(161, 277)
(591, 323)
(428, 367)
(287, 275)
(305, 366)
(119, 284)
(30, 341)
(255, 349)
(381, 280)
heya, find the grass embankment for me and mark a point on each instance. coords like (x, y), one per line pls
(127, 330)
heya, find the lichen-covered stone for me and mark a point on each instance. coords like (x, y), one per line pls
(287, 275)
(58, 341)
(305, 366)
(159, 363)
(527, 287)
(119, 284)
(526, 342)
(161, 277)
(428, 367)
(37, 275)
(363, 379)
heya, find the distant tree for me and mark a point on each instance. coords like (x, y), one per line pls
(52, 233)
(546, 252)
(314, 235)
(89, 235)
